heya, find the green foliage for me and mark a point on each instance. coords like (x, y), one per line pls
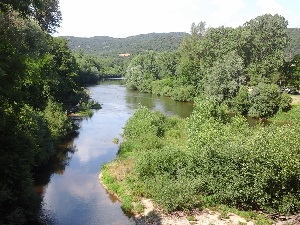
(141, 71)
(265, 39)
(58, 123)
(241, 101)
(46, 13)
(37, 85)
(291, 72)
(225, 77)
(112, 47)
(210, 158)
(144, 123)
(183, 93)
(293, 47)
(266, 100)
(252, 168)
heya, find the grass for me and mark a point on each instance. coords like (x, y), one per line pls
(114, 178)
(247, 215)
(296, 99)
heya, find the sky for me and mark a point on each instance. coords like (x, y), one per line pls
(123, 18)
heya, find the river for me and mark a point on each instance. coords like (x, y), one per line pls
(69, 184)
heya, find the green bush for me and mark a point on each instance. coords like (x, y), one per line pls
(264, 100)
(211, 159)
(241, 101)
(256, 168)
(144, 122)
(285, 102)
(183, 93)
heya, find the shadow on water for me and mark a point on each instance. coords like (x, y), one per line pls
(56, 164)
(69, 183)
(159, 103)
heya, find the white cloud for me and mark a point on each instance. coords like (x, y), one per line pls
(226, 12)
(119, 18)
(270, 6)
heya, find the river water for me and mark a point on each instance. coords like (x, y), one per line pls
(69, 184)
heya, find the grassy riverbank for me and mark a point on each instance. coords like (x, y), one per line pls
(206, 161)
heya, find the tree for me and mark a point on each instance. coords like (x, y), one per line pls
(266, 100)
(45, 12)
(199, 29)
(224, 78)
(265, 39)
(291, 73)
(142, 70)
(167, 62)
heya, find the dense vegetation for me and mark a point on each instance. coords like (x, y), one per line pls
(212, 158)
(103, 57)
(222, 63)
(206, 160)
(38, 84)
(294, 47)
(108, 46)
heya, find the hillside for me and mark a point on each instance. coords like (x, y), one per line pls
(108, 46)
(294, 47)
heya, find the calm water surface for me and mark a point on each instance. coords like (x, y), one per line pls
(70, 187)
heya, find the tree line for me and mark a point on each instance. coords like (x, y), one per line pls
(223, 63)
(38, 84)
(99, 57)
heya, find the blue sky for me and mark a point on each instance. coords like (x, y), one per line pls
(123, 18)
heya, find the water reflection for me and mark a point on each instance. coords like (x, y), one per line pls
(69, 184)
(159, 103)
(55, 165)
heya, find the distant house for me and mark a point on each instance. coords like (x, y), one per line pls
(124, 54)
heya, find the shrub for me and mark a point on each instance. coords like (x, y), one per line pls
(256, 168)
(241, 101)
(183, 93)
(285, 102)
(264, 100)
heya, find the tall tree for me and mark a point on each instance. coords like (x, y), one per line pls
(45, 12)
(265, 39)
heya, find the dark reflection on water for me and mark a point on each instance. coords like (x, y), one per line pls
(69, 184)
(163, 104)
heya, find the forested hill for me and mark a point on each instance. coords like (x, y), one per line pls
(108, 46)
(294, 47)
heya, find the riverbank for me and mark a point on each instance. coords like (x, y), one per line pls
(189, 168)
(152, 214)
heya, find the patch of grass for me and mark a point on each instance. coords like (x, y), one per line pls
(247, 215)
(191, 218)
(296, 99)
(85, 113)
(114, 177)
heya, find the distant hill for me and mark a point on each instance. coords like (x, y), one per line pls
(108, 46)
(294, 47)
(130, 46)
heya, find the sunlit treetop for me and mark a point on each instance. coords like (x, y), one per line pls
(45, 12)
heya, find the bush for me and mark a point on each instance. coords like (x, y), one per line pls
(255, 168)
(264, 100)
(285, 102)
(241, 101)
(183, 93)
(144, 123)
